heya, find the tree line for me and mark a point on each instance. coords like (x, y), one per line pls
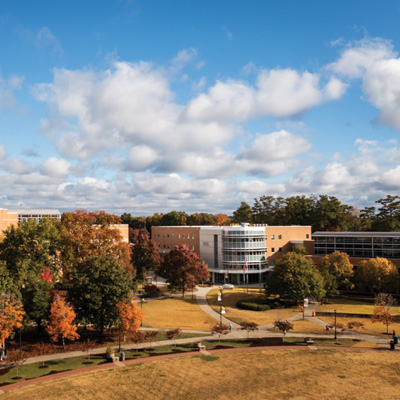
(323, 213)
(295, 277)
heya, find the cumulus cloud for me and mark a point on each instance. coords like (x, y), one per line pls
(55, 167)
(378, 65)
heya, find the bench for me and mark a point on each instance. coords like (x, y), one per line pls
(201, 346)
(309, 340)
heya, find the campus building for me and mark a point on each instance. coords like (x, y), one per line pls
(24, 214)
(358, 245)
(234, 253)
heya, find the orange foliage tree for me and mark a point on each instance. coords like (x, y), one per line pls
(11, 315)
(131, 316)
(62, 318)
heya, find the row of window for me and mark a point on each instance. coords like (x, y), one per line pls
(167, 246)
(180, 236)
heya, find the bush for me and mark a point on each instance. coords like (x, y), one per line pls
(152, 290)
(254, 305)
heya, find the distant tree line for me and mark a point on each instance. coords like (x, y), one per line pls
(323, 213)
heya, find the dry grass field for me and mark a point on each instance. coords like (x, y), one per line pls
(352, 306)
(266, 374)
(232, 296)
(176, 313)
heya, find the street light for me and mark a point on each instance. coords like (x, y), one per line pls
(119, 336)
(141, 309)
(220, 306)
(335, 324)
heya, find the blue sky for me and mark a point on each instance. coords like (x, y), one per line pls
(153, 106)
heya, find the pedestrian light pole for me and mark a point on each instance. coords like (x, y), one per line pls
(220, 306)
(335, 324)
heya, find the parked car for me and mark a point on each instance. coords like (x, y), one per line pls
(228, 286)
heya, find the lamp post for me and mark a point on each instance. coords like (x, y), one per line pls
(141, 309)
(335, 324)
(119, 336)
(220, 306)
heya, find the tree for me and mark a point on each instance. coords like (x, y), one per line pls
(62, 318)
(248, 327)
(17, 359)
(11, 316)
(7, 284)
(30, 247)
(97, 285)
(88, 345)
(243, 213)
(382, 311)
(355, 325)
(337, 271)
(130, 315)
(388, 216)
(202, 219)
(220, 330)
(92, 234)
(43, 349)
(184, 268)
(172, 334)
(145, 253)
(37, 296)
(377, 274)
(222, 220)
(295, 278)
(284, 326)
(175, 218)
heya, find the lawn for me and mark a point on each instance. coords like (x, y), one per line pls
(176, 313)
(353, 306)
(265, 374)
(232, 296)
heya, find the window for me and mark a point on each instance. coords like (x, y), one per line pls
(307, 236)
(192, 236)
(273, 249)
(172, 235)
(280, 249)
(280, 237)
(192, 247)
(179, 236)
(183, 236)
(164, 235)
(167, 235)
(272, 237)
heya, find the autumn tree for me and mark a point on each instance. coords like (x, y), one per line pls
(92, 234)
(376, 275)
(172, 334)
(202, 219)
(222, 220)
(295, 278)
(283, 325)
(61, 323)
(11, 316)
(248, 327)
(183, 268)
(130, 316)
(382, 311)
(97, 285)
(145, 253)
(337, 272)
(220, 330)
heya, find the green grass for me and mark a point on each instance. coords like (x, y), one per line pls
(37, 370)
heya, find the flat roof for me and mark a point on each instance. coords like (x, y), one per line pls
(34, 211)
(359, 234)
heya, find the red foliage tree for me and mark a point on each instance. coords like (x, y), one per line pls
(183, 268)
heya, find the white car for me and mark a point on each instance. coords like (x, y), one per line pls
(228, 286)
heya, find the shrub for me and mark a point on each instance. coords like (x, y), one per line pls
(254, 305)
(152, 290)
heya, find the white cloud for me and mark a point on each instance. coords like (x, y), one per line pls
(3, 152)
(7, 89)
(376, 62)
(56, 167)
